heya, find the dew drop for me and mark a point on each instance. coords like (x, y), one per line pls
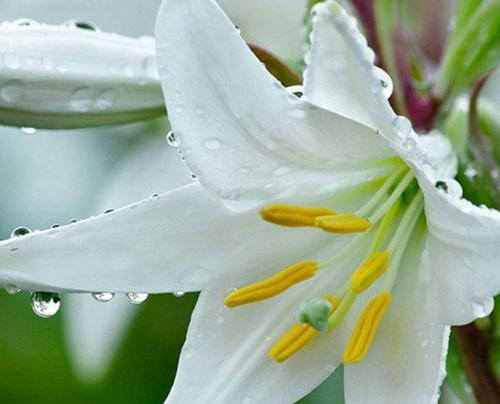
(24, 22)
(72, 221)
(45, 304)
(12, 90)
(482, 309)
(108, 211)
(298, 91)
(385, 82)
(12, 289)
(403, 126)
(136, 298)
(103, 297)
(451, 187)
(212, 144)
(79, 24)
(27, 130)
(178, 293)
(20, 231)
(106, 99)
(82, 99)
(172, 140)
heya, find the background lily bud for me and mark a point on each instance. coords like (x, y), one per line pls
(315, 312)
(73, 76)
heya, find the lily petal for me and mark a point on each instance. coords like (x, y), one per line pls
(241, 132)
(461, 254)
(406, 362)
(92, 340)
(225, 360)
(341, 75)
(66, 77)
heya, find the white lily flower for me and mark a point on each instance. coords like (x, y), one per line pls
(252, 143)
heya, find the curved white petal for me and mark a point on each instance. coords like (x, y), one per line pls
(276, 25)
(60, 77)
(171, 242)
(241, 132)
(341, 75)
(95, 330)
(406, 363)
(224, 359)
(462, 253)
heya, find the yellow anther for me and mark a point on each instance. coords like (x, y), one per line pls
(370, 271)
(293, 216)
(343, 223)
(297, 337)
(272, 286)
(363, 334)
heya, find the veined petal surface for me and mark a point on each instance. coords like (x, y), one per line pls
(406, 362)
(241, 132)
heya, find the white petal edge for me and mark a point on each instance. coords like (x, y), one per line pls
(462, 254)
(340, 74)
(63, 77)
(406, 363)
(241, 132)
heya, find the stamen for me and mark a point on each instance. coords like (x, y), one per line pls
(298, 337)
(343, 223)
(369, 271)
(293, 216)
(363, 334)
(272, 286)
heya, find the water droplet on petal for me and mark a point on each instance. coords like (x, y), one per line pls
(20, 231)
(178, 294)
(82, 99)
(24, 22)
(103, 297)
(482, 309)
(28, 131)
(212, 144)
(45, 304)
(79, 24)
(12, 90)
(385, 82)
(136, 298)
(106, 99)
(172, 140)
(12, 289)
(402, 125)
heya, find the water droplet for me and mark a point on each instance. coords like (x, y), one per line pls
(178, 293)
(155, 195)
(12, 90)
(24, 22)
(385, 82)
(451, 187)
(73, 220)
(103, 297)
(106, 99)
(298, 91)
(194, 177)
(45, 304)
(172, 140)
(28, 131)
(82, 99)
(20, 231)
(482, 309)
(12, 289)
(403, 126)
(79, 24)
(12, 61)
(136, 298)
(212, 144)
(108, 211)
